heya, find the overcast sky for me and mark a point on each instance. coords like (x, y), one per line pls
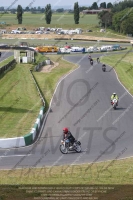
(54, 3)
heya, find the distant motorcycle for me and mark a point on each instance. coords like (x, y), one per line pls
(114, 103)
(98, 60)
(91, 62)
(65, 146)
(104, 68)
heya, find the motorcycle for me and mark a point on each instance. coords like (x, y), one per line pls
(98, 60)
(114, 103)
(104, 69)
(66, 146)
(91, 62)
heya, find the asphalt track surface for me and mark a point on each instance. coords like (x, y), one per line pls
(5, 54)
(84, 95)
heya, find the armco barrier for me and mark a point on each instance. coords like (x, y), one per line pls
(38, 89)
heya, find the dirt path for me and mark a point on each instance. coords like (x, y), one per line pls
(48, 68)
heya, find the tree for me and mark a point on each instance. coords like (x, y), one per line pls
(109, 5)
(27, 9)
(83, 8)
(48, 13)
(13, 11)
(105, 18)
(39, 8)
(19, 14)
(42, 10)
(76, 13)
(117, 7)
(94, 6)
(103, 5)
(122, 21)
(2, 9)
(60, 10)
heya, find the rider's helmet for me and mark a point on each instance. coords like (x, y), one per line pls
(114, 93)
(65, 130)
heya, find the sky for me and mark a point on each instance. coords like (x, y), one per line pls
(54, 3)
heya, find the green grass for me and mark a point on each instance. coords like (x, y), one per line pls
(48, 81)
(19, 101)
(108, 34)
(6, 61)
(110, 172)
(57, 19)
(39, 58)
(123, 65)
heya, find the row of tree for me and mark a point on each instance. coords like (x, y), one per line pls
(102, 5)
(94, 6)
(60, 10)
(48, 13)
(119, 19)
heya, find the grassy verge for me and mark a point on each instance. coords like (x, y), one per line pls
(4, 62)
(123, 64)
(108, 34)
(19, 101)
(62, 20)
(48, 81)
(111, 172)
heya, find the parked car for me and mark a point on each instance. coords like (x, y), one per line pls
(47, 32)
(89, 31)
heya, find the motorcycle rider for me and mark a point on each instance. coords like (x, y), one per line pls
(91, 61)
(67, 135)
(103, 66)
(89, 56)
(98, 60)
(114, 96)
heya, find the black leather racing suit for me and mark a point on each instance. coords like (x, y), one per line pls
(69, 136)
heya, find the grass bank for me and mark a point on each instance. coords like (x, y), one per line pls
(123, 64)
(6, 61)
(19, 101)
(111, 172)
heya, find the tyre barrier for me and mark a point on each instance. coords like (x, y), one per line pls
(27, 139)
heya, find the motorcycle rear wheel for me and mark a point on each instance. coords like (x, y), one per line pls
(78, 149)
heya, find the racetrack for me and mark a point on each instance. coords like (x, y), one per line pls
(82, 103)
(5, 55)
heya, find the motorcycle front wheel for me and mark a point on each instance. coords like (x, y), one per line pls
(63, 149)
